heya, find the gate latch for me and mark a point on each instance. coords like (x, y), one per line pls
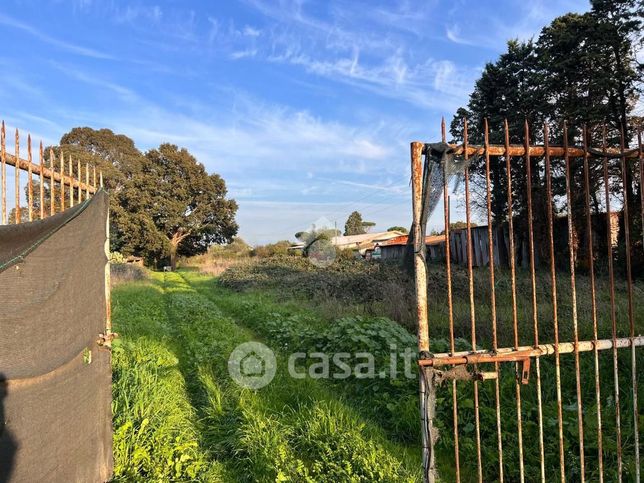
(525, 370)
(458, 362)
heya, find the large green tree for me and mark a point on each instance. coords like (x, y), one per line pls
(582, 70)
(185, 208)
(162, 203)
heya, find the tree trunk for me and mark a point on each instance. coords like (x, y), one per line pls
(173, 256)
(176, 239)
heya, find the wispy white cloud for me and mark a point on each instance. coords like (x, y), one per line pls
(288, 139)
(138, 13)
(346, 47)
(48, 39)
(528, 20)
(123, 92)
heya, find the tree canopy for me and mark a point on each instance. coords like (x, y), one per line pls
(163, 203)
(355, 225)
(581, 69)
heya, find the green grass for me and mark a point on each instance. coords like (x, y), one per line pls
(348, 288)
(179, 416)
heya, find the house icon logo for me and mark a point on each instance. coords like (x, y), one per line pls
(252, 365)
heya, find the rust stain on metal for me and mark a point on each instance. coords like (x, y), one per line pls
(71, 182)
(80, 178)
(62, 184)
(30, 184)
(611, 278)
(535, 316)
(464, 367)
(86, 181)
(629, 284)
(537, 151)
(591, 269)
(52, 184)
(573, 296)
(553, 291)
(515, 321)
(524, 352)
(17, 179)
(493, 320)
(3, 155)
(42, 182)
(448, 274)
(470, 278)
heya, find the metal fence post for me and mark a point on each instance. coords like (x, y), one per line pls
(426, 384)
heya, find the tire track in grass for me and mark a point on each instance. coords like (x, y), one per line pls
(391, 404)
(155, 429)
(290, 430)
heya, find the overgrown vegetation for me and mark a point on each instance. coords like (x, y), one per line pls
(179, 416)
(349, 287)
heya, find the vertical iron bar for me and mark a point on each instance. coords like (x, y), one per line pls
(495, 342)
(470, 277)
(591, 268)
(101, 178)
(42, 182)
(80, 178)
(448, 275)
(613, 314)
(640, 156)
(553, 281)
(631, 319)
(30, 184)
(535, 314)
(71, 182)
(419, 262)
(94, 177)
(573, 295)
(62, 181)
(17, 177)
(86, 181)
(52, 184)
(515, 321)
(420, 270)
(4, 175)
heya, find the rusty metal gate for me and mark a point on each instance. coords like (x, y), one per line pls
(545, 387)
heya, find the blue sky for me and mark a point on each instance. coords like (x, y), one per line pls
(305, 108)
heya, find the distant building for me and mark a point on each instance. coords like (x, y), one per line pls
(134, 260)
(364, 243)
(395, 247)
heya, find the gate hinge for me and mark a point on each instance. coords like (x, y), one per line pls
(105, 340)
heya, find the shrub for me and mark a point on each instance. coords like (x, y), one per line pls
(126, 272)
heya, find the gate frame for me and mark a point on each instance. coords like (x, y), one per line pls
(429, 377)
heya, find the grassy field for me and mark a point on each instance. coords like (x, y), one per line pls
(179, 415)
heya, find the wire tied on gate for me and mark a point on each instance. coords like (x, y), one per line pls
(442, 166)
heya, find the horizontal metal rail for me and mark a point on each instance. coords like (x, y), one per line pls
(24, 165)
(537, 151)
(508, 354)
